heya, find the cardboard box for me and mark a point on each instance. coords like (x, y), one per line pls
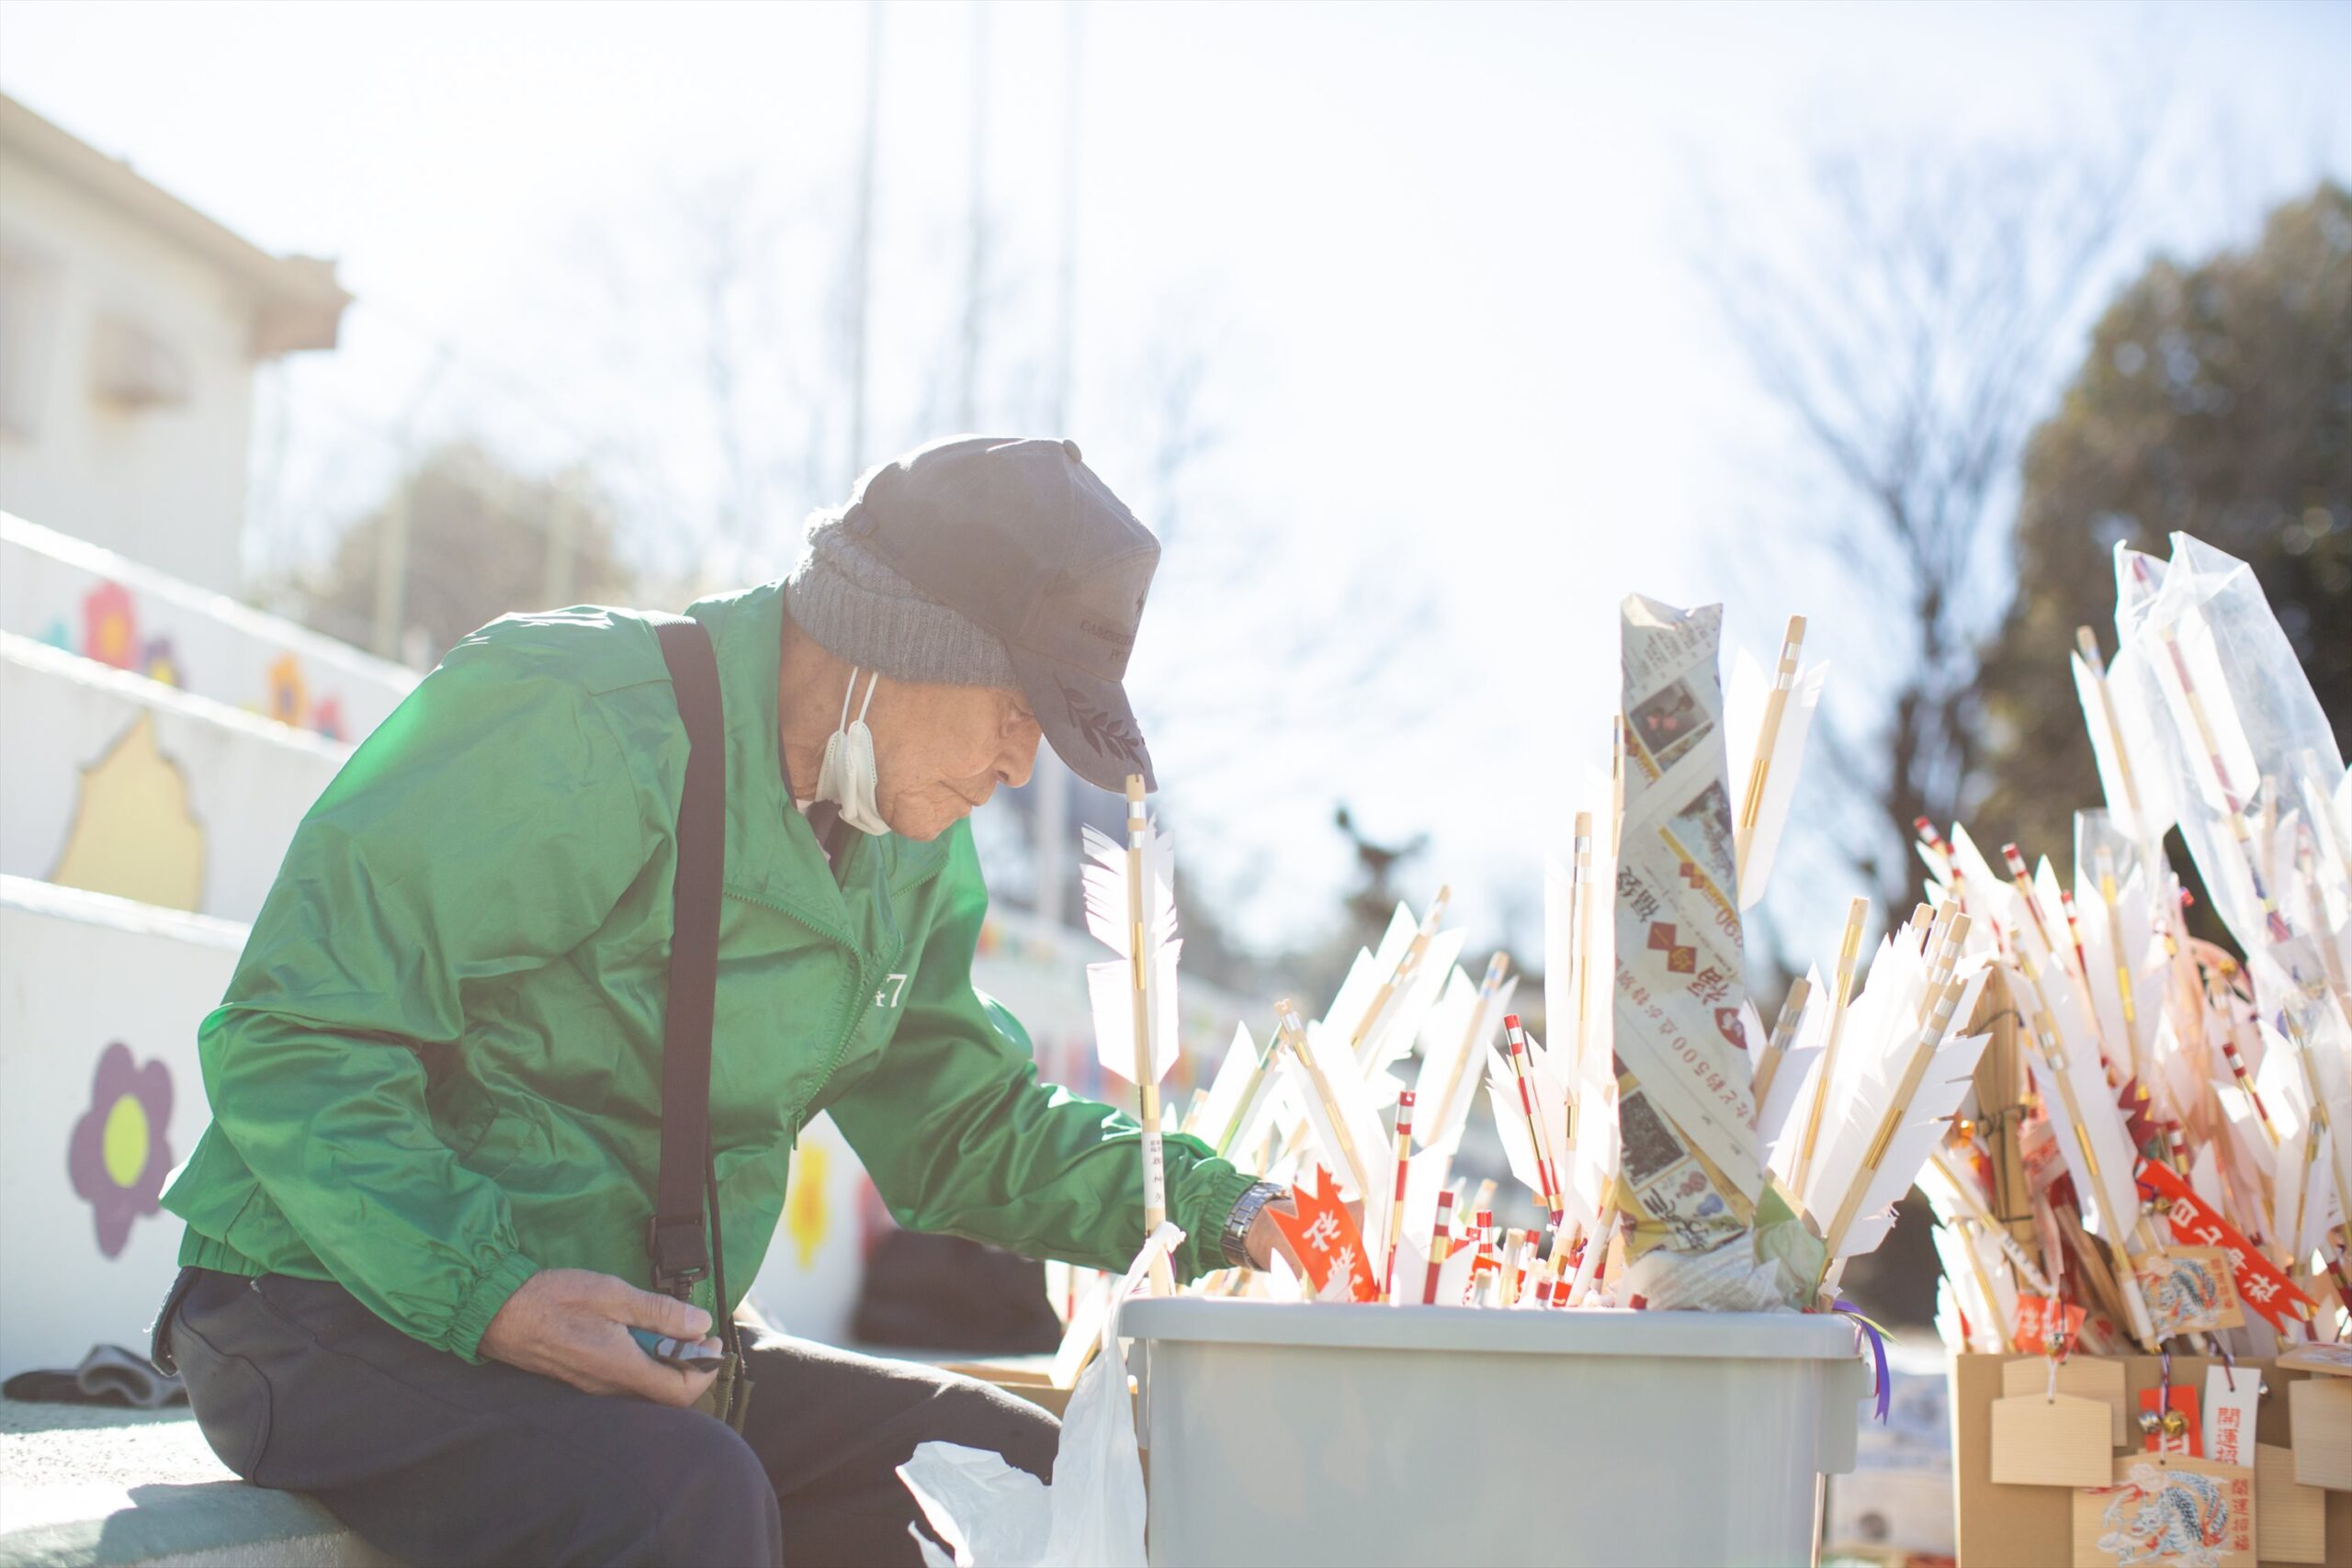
(2032, 1527)
(1018, 1377)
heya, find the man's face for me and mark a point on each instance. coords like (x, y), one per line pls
(940, 750)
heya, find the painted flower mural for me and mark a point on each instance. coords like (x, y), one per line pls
(290, 694)
(118, 1156)
(807, 1215)
(161, 662)
(110, 627)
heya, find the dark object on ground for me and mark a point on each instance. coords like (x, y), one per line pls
(108, 1375)
(942, 1292)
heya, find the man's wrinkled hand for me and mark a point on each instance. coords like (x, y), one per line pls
(1265, 1238)
(573, 1324)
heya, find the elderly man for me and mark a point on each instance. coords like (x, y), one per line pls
(462, 1113)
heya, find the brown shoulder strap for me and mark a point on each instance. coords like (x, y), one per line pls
(677, 1239)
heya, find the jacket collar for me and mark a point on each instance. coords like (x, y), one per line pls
(771, 850)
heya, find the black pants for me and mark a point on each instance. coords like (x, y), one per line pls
(435, 1459)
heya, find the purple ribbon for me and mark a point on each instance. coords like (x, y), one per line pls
(1865, 1329)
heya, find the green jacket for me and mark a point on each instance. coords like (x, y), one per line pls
(436, 1068)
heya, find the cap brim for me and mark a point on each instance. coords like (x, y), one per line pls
(1086, 719)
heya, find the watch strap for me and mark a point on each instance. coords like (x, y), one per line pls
(1235, 1238)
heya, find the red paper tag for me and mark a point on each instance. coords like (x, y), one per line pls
(2038, 1319)
(2261, 1287)
(2177, 1431)
(1324, 1236)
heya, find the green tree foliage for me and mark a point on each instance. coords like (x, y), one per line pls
(2216, 400)
(479, 540)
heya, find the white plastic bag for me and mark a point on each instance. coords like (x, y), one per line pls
(994, 1514)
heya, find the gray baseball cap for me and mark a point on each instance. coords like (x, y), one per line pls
(1022, 539)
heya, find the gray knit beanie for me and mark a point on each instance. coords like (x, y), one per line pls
(862, 611)
(991, 561)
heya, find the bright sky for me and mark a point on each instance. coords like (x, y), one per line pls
(1434, 265)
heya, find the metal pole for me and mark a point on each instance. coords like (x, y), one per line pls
(392, 565)
(559, 572)
(861, 258)
(967, 413)
(1054, 781)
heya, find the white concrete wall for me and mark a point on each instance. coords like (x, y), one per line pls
(81, 973)
(141, 778)
(60, 591)
(166, 486)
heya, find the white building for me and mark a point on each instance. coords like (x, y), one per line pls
(129, 327)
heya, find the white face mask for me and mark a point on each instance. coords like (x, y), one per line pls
(846, 775)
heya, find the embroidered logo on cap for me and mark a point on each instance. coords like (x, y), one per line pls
(1104, 732)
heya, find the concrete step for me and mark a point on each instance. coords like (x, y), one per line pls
(123, 785)
(59, 590)
(99, 1000)
(81, 1486)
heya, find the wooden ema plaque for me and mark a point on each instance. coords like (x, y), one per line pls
(2051, 1439)
(2084, 1376)
(2168, 1508)
(2289, 1519)
(2033, 1526)
(2322, 1408)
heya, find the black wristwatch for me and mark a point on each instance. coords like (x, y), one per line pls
(1235, 1241)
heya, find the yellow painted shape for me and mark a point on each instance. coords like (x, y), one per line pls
(290, 693)
(806, 1212)
(125, 1141)
(133, 835)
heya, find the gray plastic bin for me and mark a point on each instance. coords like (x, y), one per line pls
(1302, 1435)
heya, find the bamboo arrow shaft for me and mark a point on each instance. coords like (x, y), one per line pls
(1473, 1033)
(1141, 981)
(1250, 1086)
(1408, 966)
(1784, 1029)
(2089, 644)
(1784, 680)
(1962, 1184)
(2043, 1033)
(1580, 941)
(1945, 990)
(1848, 949)
(1294, 1036)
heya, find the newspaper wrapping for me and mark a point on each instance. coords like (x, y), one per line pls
(1690, 1179)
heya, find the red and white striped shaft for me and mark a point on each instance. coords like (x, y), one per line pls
(1541, 1145)
(2237, 1070)
(1514, 1264)
(1485, 1267)
(1440, 1233)
(2074, 930)
(2024, 880)
(1395, 1225)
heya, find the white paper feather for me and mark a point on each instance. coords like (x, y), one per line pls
(1883, 1034)
(2111, 1198)
(1103, 879)
(1217, 1115)
(1361, 1157)
(1744, 697)
(1357, 992)
(1453, 1032)
(1791, 1078)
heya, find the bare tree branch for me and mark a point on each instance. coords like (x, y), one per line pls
(1910, 341)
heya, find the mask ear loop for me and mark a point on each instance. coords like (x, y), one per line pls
(847, 692)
